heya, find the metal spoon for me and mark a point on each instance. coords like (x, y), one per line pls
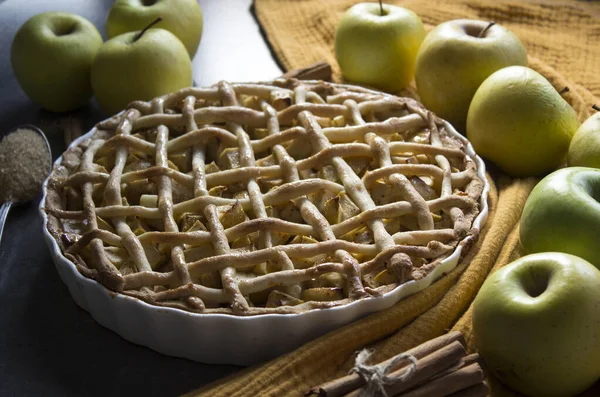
(7, 205)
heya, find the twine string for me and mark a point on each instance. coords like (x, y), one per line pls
(375, 376)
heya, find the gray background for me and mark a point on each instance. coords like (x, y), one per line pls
(48, 345)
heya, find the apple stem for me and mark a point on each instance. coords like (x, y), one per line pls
(482, 33)
(380, 8)
(157, 20)
(564, 90)
(596, 107)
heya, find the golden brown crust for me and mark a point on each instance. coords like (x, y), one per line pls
(275, 197)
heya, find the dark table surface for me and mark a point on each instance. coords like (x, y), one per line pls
(48, 345)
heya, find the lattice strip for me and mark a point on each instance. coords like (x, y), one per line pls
(165, 205)
(112, 196)
(357, 191)
(312, 215)
(246, 156)
(289, 171)
(219, 241)
(107, 272)
(456, 214)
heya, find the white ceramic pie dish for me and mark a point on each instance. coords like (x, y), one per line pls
(224, 338)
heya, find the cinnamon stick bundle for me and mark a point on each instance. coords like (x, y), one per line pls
(442, 368)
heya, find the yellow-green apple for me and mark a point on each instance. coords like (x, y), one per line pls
(139, 66)
(376, 45)
(536, 324)
(584, 150)
(520, 122)
(562, 213)
(455, 58)
(183, 18)
(51, 56)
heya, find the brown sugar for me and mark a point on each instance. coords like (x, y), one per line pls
(24, 164)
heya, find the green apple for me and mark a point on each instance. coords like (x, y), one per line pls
(584, 150)
(377, 45)
(183, 18)
(536, 323)
(51, 56)
(139, 66)
(455, 58)
(562, 213)
(520, 122)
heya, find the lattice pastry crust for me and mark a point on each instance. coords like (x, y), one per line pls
(264, 198)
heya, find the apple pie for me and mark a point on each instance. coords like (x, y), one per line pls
(276, 197)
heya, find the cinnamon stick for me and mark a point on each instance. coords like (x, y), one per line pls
(453, 382)
(70, 126)
(426, 367)
(463, 362)
(349, 383)
(318, 71)
(72, 129)
(479, 390)
(470, 359)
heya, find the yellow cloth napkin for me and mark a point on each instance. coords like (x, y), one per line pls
(562, 37)
(563, 40)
